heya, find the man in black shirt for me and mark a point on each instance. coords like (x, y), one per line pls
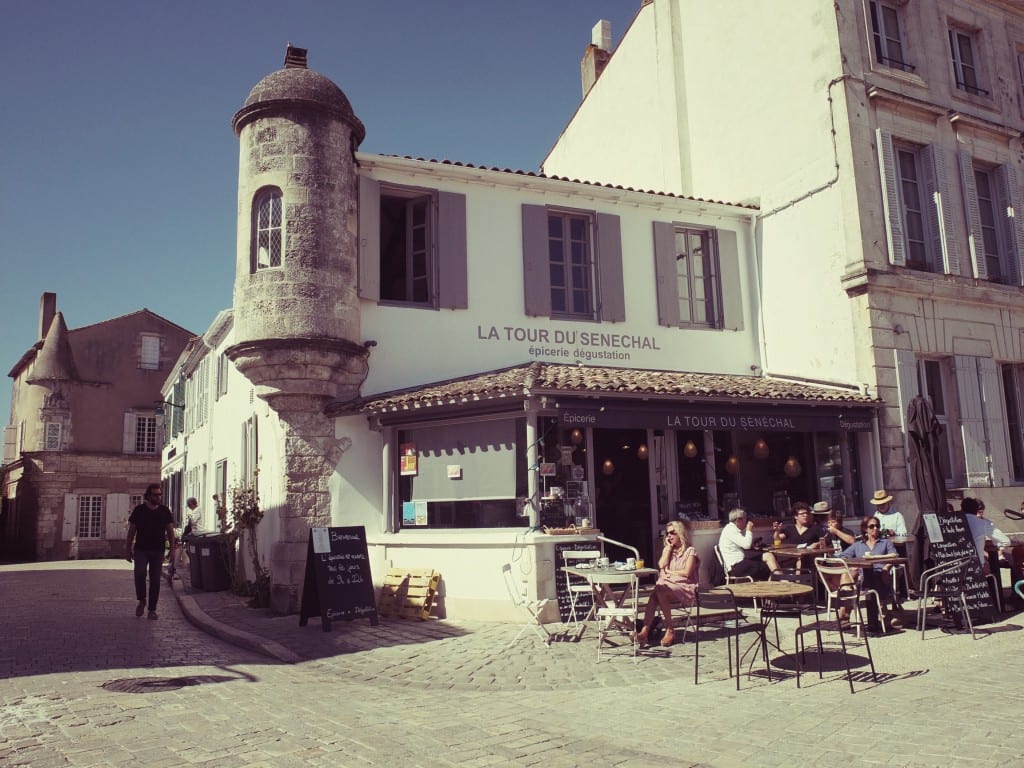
(149, 526)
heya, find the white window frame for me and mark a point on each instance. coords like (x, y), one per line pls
(149, 351)
(267, 246)
(579, 276)
(964, 48)
(146, 433)
(885, 39)
(708, 283)
(222, 376)
(90, 516)
(52, 435)
(417, 259)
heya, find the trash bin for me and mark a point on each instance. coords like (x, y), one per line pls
(213, 561)
(195, 573)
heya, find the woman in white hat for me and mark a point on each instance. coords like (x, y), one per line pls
(893, 523)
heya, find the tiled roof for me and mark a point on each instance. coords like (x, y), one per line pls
(557, 378)
(538, 175)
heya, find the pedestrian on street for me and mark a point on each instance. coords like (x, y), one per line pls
(149, 526)
(193, 523)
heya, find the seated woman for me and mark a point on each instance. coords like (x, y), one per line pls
(677, 582)
(878, 576)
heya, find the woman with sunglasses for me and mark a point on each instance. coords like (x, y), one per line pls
(677, 582)
(877, 577)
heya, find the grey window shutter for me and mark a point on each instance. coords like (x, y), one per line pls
(612, 298)
(945, 226)
(906, 389)
(1014, 218)
(666, 279)
(890, 197)
(995, 420)
(369, 238)
(972, 421)
(453, 290)
(975, 239)
(732, 289)
(128, 436)
(536, 270)
(117, 516)
(69, 525)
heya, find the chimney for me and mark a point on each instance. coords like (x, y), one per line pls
(595, 58)
(295, 58)
(47, 309)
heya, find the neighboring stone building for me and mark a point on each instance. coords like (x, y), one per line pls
(429, 349)
(881, 140)
(84, 437)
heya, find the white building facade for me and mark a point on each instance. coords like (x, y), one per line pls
(882, 142)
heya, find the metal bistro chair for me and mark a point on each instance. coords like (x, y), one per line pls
(517, 591)
(836, 567)
(794, 608)
(845, 594)
(619, 617)
(578, 586)
(718, 608)
(955, 591)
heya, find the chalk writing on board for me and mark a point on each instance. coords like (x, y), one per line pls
(338, 584)
(952, 541)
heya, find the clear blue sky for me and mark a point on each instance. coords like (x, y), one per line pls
(118, 166)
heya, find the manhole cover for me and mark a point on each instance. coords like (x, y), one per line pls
(149, 684)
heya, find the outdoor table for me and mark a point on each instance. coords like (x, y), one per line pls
(793, 552)
(769, 593)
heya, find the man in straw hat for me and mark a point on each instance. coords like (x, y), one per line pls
(893, 523)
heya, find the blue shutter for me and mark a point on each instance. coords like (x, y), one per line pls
(666, 281)
(611, 299)
(452, 291)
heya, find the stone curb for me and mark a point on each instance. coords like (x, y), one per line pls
(199, 618)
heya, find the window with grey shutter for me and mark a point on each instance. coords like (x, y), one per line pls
(612, 305)
(972, 421)
(975, 236)
(729, 271)
(890, 197)
(369, 238)
(1012, 213)
(665, 274)
(536, 288)
(937, 186)
(452, 291)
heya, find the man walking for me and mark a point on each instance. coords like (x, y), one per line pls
(149, 526)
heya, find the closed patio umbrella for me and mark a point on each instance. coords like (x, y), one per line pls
(923, 433)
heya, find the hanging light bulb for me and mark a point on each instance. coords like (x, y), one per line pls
(792, 467)
(607, 467)
(641, 452)
(576, 436)
(690, 449)
(760, 449)
(732, 465)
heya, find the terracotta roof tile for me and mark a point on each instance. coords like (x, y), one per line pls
(556, 378)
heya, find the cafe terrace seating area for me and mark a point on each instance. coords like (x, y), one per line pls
(815, 617)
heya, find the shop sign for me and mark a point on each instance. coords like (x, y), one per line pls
(697, 417)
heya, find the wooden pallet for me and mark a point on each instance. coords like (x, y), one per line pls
(408, 593)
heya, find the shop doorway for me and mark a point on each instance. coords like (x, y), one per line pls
(622, 482)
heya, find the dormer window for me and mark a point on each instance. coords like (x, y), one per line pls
(266, 229)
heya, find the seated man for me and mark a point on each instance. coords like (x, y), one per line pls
(739, 558)
(803, 530)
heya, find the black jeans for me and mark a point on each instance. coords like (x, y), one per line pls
(150, 560)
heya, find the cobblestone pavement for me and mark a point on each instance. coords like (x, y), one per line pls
(85, 683)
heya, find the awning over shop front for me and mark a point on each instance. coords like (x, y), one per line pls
(638, 398)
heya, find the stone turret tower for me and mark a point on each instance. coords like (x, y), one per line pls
(296, 312)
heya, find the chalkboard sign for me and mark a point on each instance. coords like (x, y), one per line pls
(338, 584)
(584, 600)
(949, 539)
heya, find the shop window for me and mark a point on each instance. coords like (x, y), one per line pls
(267, 229)
(916, 201)
(461, 475)
(697, 277)
(572, 264)
(412, 246)
(888, 36)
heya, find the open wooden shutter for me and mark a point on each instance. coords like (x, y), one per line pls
(452, 289)
(69, 527)
(369, 238)
(611, 300)
(1014, 210)
(995, 420)
(972, 421)
(117, 516)
(975, 238)
(890, 197)
(729, 273)
(128, 438)
(945, 243)
(536, 272)
(666, 281)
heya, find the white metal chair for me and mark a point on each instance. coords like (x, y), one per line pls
(578, 586)
(728, 578)
(836, 568)
(618, 618)
(517, 592)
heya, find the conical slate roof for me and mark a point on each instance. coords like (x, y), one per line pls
(54, 361)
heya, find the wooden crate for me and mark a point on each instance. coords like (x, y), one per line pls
(408, 593)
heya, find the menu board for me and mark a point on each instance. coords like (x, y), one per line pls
(338, 584)
(949, 539)
(584, 600)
